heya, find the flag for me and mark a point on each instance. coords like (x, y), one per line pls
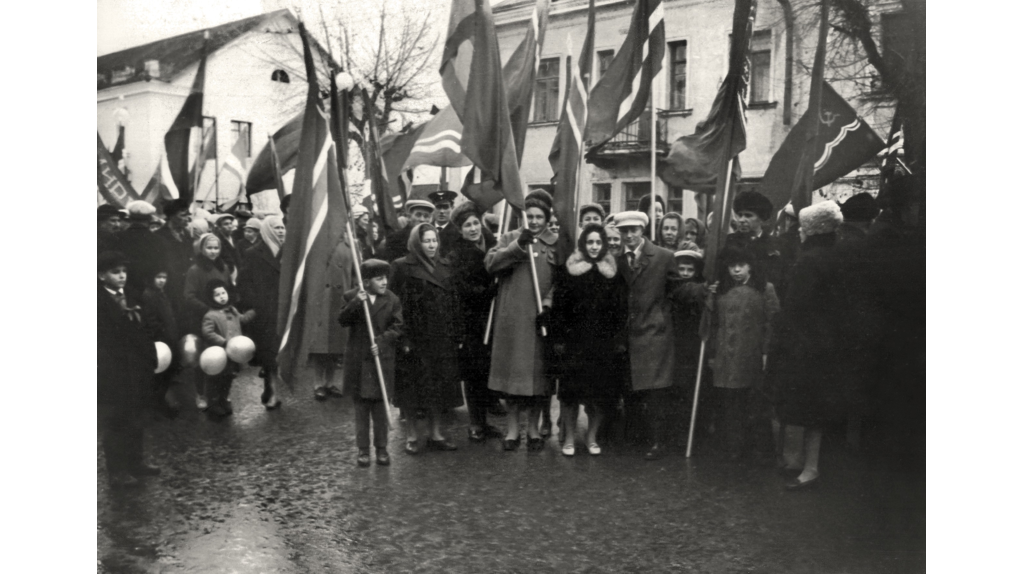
(623, 93)
(235, 163)
(177, 141)
(276, 166)
(487, 138)
(803, 183)
(161, 186)
(439, 143)
(316, 221)
(112, 184)
(844, 142)
(263, 173)
(395, 149)
(384, 206)
(118, 152)
(892, 162)
(520, 73)
(207, 151)
(568, 145)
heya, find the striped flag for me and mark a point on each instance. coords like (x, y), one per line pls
(623, 93)
(235, 163)
(440, 143)
(178, 140)
(112, 184)
(520, 73)
(266, 169)
(568, 145)
(161, 186)
(316, 221)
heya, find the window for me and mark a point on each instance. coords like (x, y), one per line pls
(545, 103)
(675, 199)
(280, 76)
(761, 67)
(634, 191)
(677, 51)
(242, 130)
(604, 59)
(603, 196)
(153, 68)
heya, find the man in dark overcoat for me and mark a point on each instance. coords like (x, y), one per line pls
(447, 233)
(144, 250)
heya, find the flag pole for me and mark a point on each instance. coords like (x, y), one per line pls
(536, 284)
(490, 314)
(696, 395)
(216, 172)
(654, 165)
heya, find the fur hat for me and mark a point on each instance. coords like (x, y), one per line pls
(174, 207)
(592, 207)
(820, 218)
(755, 202)
(631, 218)
(645, 203)
(733, 254)
(139, 210)
(110, 259)
(462, 212)
(106, 211)
(540, 203)
(541, 195)
(860, 207)
(374, 268)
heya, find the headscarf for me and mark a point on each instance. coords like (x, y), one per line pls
(416, 248)
(197, 227)
(200, 243)
(581, 242)
(694, 224)
(268, 235)
(203, 260)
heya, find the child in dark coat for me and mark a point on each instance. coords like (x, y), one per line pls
(155, 300)
(126, 359)
(220, 324)
(360, 370)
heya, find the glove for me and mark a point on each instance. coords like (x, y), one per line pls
(525, 238)
(543, 318)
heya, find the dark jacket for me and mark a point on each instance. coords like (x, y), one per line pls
(126, 355)
(360, 373)
(195, 296)
(145, 252)
(258, 283)
(177, 259)
(231, 254)
(159, 306)
(449, 235)
(427, 375)
(396, 245)
(767, 253)
(475, 290)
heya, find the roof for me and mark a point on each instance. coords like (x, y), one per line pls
(174, 54)
(505, 5)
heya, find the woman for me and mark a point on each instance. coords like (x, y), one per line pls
(694, 231)
(588, 331)
(518, 371)
(207, 267)
(670, 231)
(475, 289)
(427, 377)
(614, 240)
(258, 281)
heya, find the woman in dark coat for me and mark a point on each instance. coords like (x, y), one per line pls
(589, 312)
(475, 289)
(258, 281)
(803, 369)
(427, 377)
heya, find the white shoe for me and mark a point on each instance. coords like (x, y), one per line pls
(593, 449)
(201, 402)
(569, 450)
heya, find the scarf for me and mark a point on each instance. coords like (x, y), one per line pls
(416, 248)
(267, 234)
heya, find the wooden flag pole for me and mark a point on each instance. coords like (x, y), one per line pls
(696, 396)
(654, 167)
(536, 285)
(490, 315)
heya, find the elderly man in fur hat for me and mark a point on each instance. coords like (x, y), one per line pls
(753, 212)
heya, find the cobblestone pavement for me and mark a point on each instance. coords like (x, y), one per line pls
(280, 492)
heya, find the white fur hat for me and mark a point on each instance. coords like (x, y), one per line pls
(820, 218)
(634, 218)
(140, 210)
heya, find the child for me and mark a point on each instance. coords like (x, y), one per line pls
(741, 332)
(155, 300)
(126, 359)
(208, 266)
(220, 324)
(360, 371)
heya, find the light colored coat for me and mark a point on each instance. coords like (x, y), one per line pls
(517, 362)
(742, 330)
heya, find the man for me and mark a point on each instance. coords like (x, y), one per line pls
(251, 233)
(419, 211)
(654, 281)
(177, 249)
(242, 218)
(224, 225)
(144, 250)
(858, 213)
(591, 213)
(753, 211)
(447, 234)
(108, 225)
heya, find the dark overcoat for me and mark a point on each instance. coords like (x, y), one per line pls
(448, 236)
(475, 289)
(397, 244)
(653, 287)
(178, 259)
(427, 376)
(126, 355)
(145, 253)
(258, 283)
(589, 312)
(360, 373)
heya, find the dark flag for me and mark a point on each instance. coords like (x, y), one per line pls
(803, 183)
(892, 162)
(112, 184)
(520, 73)
(384, 206)
(263, 172)
(844, 142)
(568, 145)
(177, 141)
(160, 186)
(623, 92)
(275, 162)
(396, 149)
(118, 152)
(316, 223)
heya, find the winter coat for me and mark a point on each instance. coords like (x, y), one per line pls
(125, 353)
(159, 305)
(686, 316)
(360, 373)
(805, 375)
(105, 241)
(258, 284)
(195, 295)
(589, 317)
(652, 289)
(767, 253)
(427, 376)
(475, 289)
(322, 331)
(222, 325)
(449, 235)
(741, 335)
(396, 244)
(230, 252)
(519, 368)
(145, 253)
(177, 259)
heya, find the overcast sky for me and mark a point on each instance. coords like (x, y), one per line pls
(125, 23)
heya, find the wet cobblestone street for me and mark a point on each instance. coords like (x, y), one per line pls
(280, 491)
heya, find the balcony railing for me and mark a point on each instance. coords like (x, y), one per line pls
(636, 137)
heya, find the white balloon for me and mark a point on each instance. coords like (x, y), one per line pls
(213, 360)
(189, 350)
(240, 349)
(163, 357)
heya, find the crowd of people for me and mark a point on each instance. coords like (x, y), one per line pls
(799, 328)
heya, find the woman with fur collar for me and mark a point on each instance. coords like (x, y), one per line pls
(589, 315)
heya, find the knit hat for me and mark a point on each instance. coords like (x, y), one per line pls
(463, 211)
(755, 202)
(820, 218)
(631, 218)
(253, 223)
(541, 195)
(139, 210)
(592, 207)
(860, 207)
(733, 254)
(374, 268)
(109, 260)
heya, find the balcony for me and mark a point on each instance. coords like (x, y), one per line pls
(634, 142)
